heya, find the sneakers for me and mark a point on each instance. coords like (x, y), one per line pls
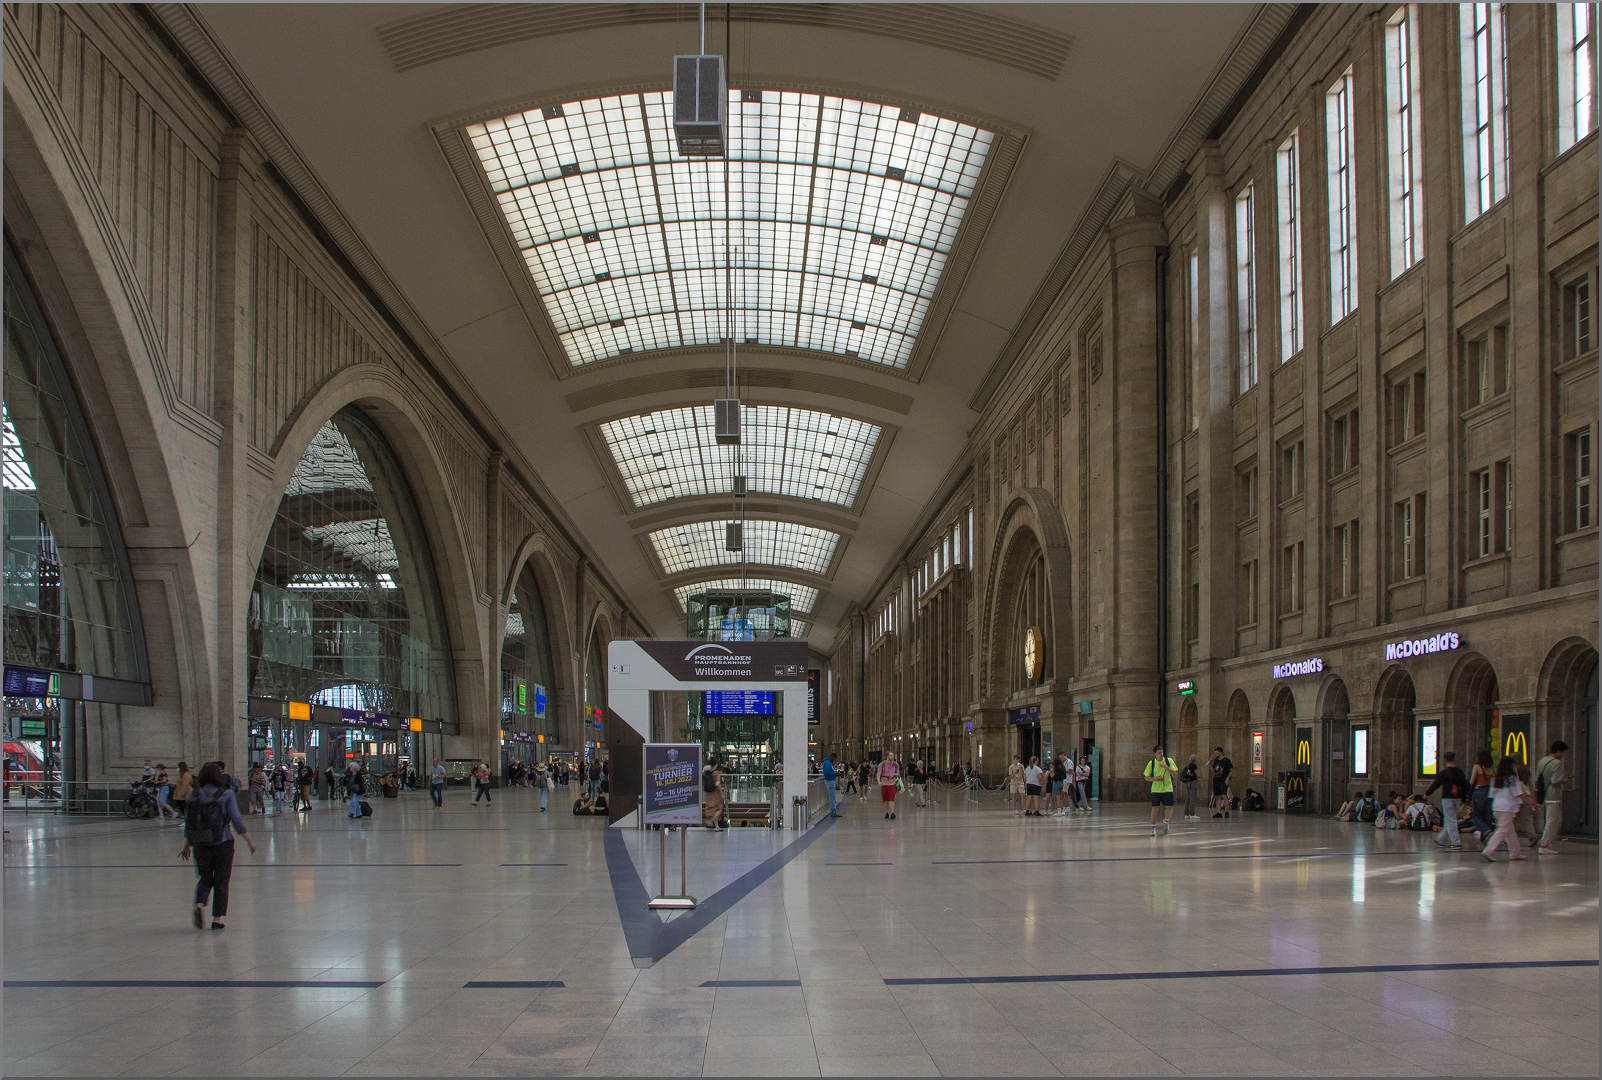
(1165, 827)
(1154, 830)
(200, 918)
(1547, 851)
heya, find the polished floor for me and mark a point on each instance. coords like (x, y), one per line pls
(957, 940)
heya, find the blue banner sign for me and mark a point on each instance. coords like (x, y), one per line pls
(1029, 714)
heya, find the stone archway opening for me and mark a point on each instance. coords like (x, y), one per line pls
(1188, 734)
(1472, 697)
(1391, 735)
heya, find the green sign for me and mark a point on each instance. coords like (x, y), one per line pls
(32, 729)
(522, 696)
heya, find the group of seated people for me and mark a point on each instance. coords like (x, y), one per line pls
(586, 805)
(1412, 812)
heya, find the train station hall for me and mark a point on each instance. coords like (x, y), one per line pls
(621, 524)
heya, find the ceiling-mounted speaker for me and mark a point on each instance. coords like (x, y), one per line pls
(726, 421)
(734, 536)
(739, 487)
(700, 105)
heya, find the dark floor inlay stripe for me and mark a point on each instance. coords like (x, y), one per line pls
(859, 864)
(1237, 973)
(1183, 858)
(735, 984)
(237, 865)
(191, 984)
(533, 864)
(521, 984)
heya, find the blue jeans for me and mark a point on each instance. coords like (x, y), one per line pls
(830, 784)
(544, 793)
(355, 804)
(437, 793)
(1480, 800)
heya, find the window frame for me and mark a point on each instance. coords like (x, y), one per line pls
(1483, 47)
(1246, 288)
(1577, 98)
(1288, 195)
(1404, 136)
(1341, 152)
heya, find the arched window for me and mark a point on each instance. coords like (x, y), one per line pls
(594, 688)
(528, 673)
(69, 598)
(346, 610)
(1033, 611)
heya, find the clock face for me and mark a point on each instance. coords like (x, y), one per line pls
(1034, 653)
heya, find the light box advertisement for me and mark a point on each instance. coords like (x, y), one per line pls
(672, 784)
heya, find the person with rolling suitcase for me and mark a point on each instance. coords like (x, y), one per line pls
(353, 788)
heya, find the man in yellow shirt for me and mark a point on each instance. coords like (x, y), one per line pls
(1160, 771)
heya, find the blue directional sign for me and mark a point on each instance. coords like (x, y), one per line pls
(738, 703)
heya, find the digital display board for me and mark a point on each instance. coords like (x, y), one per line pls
(738, 703)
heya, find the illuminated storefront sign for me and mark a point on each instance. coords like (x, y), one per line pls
(1188, 686)
(1311, 666)
(1442, 642)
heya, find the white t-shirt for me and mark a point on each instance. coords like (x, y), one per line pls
(1505, 800)
(1081, 772)
(1032, 774)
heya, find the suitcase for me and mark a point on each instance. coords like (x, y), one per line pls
(367, 808)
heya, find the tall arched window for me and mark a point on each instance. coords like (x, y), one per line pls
(69, 598)
(594, 688)
(528, 673)
(1033, 611)
(346, 609)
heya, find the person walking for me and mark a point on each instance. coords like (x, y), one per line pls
(181, 790)
(1550, 782)
(920, 784)
(1015, 785)
(1082, 781)
(257, 778)
(1032, 777)
(829, 782)
(864, 774)
(483, 773)
(209, 813)
(1507, 797)
(850, 777)
(280, 786)
(303, 781)
(1221, 767)
(542, 780)
(1454, 789)
(1160, 770)
(1480, 795)
(887, 772)
(353, 790)
(330, 783)
(1188, 776)
(436, 785)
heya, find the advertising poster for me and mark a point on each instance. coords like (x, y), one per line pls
(672, 784)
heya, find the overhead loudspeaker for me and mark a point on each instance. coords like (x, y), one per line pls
(726, 421)
(739, 487)
(734, 536)
(700, 105)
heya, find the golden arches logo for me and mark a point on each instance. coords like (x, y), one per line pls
(1294, 783)
(1517, 744)
(1304, 753)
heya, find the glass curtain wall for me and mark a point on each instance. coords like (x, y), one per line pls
(527, 673)
(346, 611)
(68, 596)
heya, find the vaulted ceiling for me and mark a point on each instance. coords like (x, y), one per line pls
(905, 187)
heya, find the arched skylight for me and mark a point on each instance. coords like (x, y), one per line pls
(699, 545)
(842, 213)
(802, 598)
(802, 453)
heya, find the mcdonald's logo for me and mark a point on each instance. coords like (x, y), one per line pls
(1304, 753)
(1517, 744)
(1295, 782)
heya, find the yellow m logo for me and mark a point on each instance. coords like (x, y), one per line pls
(1517, 744)
(1304, 753)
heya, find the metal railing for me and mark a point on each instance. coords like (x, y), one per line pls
(97, 798)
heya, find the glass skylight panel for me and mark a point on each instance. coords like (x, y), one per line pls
(802, 453)
(329, 464)
(802, 598)
(838, 219)
(366, 542)
(767, 543)
(18, 477)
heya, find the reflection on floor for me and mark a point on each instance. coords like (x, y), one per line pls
(957, 940)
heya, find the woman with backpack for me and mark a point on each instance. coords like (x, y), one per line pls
(1480, 794)
(888, 771)
(353, 788)
(211, 811)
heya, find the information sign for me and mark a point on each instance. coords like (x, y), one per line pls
(738, 703)
(814, 676)
(672, 784)
(26, 682)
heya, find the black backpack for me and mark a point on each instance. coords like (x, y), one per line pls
(1540, 780)
(709, 782)
(204, 820)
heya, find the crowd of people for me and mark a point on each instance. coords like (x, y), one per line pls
(1499, 802)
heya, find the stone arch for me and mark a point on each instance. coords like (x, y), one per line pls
(1030, 523)
(1565, 704)
(1239, 721)
(1564, 673)
(140, 427)
(1282, 705)
(384, 402)
(1188, 724)
(535, 552)
(1391, 732)
(1334, 701)
(1471, 697)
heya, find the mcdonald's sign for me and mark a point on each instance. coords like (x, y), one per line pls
(1296, 791)
(1304, 748)
(1516, 738)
